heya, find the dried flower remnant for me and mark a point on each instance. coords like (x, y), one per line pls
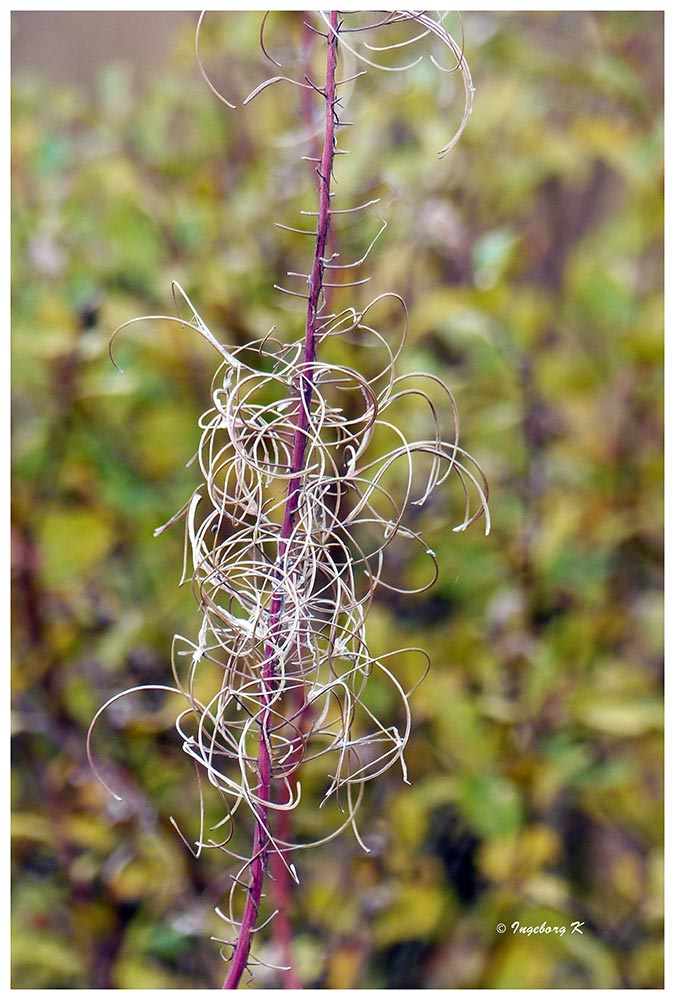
(290, 531)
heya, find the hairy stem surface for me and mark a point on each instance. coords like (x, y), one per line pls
(261, 838)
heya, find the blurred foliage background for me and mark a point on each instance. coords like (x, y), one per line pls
(531, 262)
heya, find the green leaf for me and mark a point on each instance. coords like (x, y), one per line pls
(491, 805)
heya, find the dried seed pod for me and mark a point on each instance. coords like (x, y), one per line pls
(309, 477)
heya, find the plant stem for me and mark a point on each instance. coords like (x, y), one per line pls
(261, 839)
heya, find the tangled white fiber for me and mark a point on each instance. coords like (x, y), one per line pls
(307, 480)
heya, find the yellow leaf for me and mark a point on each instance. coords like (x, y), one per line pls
(621, 718)
(516, 857)
(72, 541)
(417, 913)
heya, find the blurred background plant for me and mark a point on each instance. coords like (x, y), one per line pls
(531, 262)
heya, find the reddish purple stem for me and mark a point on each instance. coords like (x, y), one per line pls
(261, 841)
